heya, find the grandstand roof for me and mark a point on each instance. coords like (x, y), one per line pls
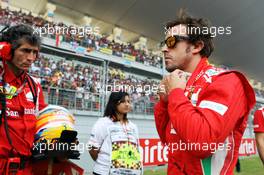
(242, 49)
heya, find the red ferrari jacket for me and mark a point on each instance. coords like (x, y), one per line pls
(259, 120)
(21, 114)
(49, 166)
(203, 124)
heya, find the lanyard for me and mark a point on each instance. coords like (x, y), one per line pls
(125, 129)
(12, 91)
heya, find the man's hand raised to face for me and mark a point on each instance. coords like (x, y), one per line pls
(163, 91)
(176, 79)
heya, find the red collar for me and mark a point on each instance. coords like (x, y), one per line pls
(201, 66)
(9, 76)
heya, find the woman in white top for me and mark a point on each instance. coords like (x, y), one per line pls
(114, 139)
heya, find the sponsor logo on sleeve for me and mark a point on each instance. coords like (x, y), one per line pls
(217, 107)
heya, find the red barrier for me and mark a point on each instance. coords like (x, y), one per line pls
(247, 147)
(154, 153)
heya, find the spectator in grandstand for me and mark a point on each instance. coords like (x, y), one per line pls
(259, 131)
(143, 101)
(55, 79)
(21, 99)
(210, 107)
(35, 68)
(114, 139)
(79, 95)
(46, 71)
(259, 93)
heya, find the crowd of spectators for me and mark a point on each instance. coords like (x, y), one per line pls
(70, 84)
(89, 41)
(65, 74)
(143, 90)
(135, 85)
(118, 49)
(83, 79)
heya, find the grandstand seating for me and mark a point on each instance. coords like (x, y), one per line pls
(91, 42)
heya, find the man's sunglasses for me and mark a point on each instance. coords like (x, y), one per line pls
(171, 41)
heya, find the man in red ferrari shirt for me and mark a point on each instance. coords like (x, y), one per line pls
(203, 110)
(21, 98)
(259, 131)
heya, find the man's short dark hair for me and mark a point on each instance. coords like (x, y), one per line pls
(15, 35)
(192, 24)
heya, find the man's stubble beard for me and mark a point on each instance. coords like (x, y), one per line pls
(187, 51)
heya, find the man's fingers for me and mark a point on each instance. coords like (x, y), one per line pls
(164, 80)
(162, 88)
(181, 75)
(176, 72)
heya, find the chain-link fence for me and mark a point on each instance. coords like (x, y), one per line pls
(87, 101)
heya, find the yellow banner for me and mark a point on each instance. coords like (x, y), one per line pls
(106, 51)
(130, 57)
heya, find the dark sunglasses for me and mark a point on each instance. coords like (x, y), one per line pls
(171, 41)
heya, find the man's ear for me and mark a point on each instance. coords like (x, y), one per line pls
(197, 47)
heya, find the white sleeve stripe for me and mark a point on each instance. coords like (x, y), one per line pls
(217, 107)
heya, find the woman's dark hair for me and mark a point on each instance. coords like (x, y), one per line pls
(16, 34)
(194, 28)
(111, 108)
